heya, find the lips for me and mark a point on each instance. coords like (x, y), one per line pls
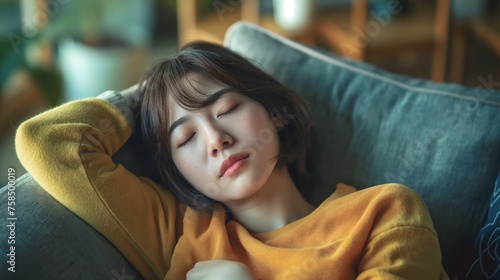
(233, 162)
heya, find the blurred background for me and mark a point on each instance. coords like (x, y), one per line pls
(54, 51)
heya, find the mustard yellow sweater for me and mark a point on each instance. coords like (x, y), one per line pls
(383, 232)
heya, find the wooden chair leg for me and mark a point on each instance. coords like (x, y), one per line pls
(459, 52)
(359, 17)
(441, 34)
(250, 11)
(186, 19)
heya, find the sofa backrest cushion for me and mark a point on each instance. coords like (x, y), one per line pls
(441, 140)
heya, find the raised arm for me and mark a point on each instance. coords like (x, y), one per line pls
(68, 151)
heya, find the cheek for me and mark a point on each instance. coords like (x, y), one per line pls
(258, 122)
(196, 174)
(188, 167)
(261, 129)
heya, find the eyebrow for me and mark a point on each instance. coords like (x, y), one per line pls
(217, 95)
(210, 100)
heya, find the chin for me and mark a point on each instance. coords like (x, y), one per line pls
(246, 183)
(239, 189)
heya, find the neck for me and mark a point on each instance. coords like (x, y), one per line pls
(273, 206)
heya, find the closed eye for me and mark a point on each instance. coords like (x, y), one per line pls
(187, 140)
(228, 111)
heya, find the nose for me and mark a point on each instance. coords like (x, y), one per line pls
(218, 140)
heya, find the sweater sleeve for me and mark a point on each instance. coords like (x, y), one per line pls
(68, 151)
(403, 243)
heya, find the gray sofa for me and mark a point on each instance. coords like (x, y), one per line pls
(441, 140)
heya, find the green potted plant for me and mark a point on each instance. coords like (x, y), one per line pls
(102, 45)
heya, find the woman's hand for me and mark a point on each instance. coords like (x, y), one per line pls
(219, 270)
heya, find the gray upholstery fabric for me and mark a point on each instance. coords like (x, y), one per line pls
(441, 140)
(54, 243)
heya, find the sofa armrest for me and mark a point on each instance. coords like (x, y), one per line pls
(51, 242)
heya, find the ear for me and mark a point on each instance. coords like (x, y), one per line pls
(278, 124)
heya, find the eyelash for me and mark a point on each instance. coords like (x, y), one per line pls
(185, 142)
(219, 115)
(228, 111)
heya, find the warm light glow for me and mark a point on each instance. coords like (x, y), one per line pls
(293, 15)
(289, 9)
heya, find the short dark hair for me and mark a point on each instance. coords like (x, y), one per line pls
(298, 139)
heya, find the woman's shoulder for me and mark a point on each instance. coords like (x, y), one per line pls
(393, 191)
(392, 203)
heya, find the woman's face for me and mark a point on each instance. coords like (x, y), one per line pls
(226, 150)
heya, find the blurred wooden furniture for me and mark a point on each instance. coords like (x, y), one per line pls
(355, 32)
(212, 27)
(486, 29)
(359, 33)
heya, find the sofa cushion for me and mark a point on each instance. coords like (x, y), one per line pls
(442, 140)
(53, 243)
(485, 261)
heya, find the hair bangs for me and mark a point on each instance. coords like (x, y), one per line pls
(183, 92)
